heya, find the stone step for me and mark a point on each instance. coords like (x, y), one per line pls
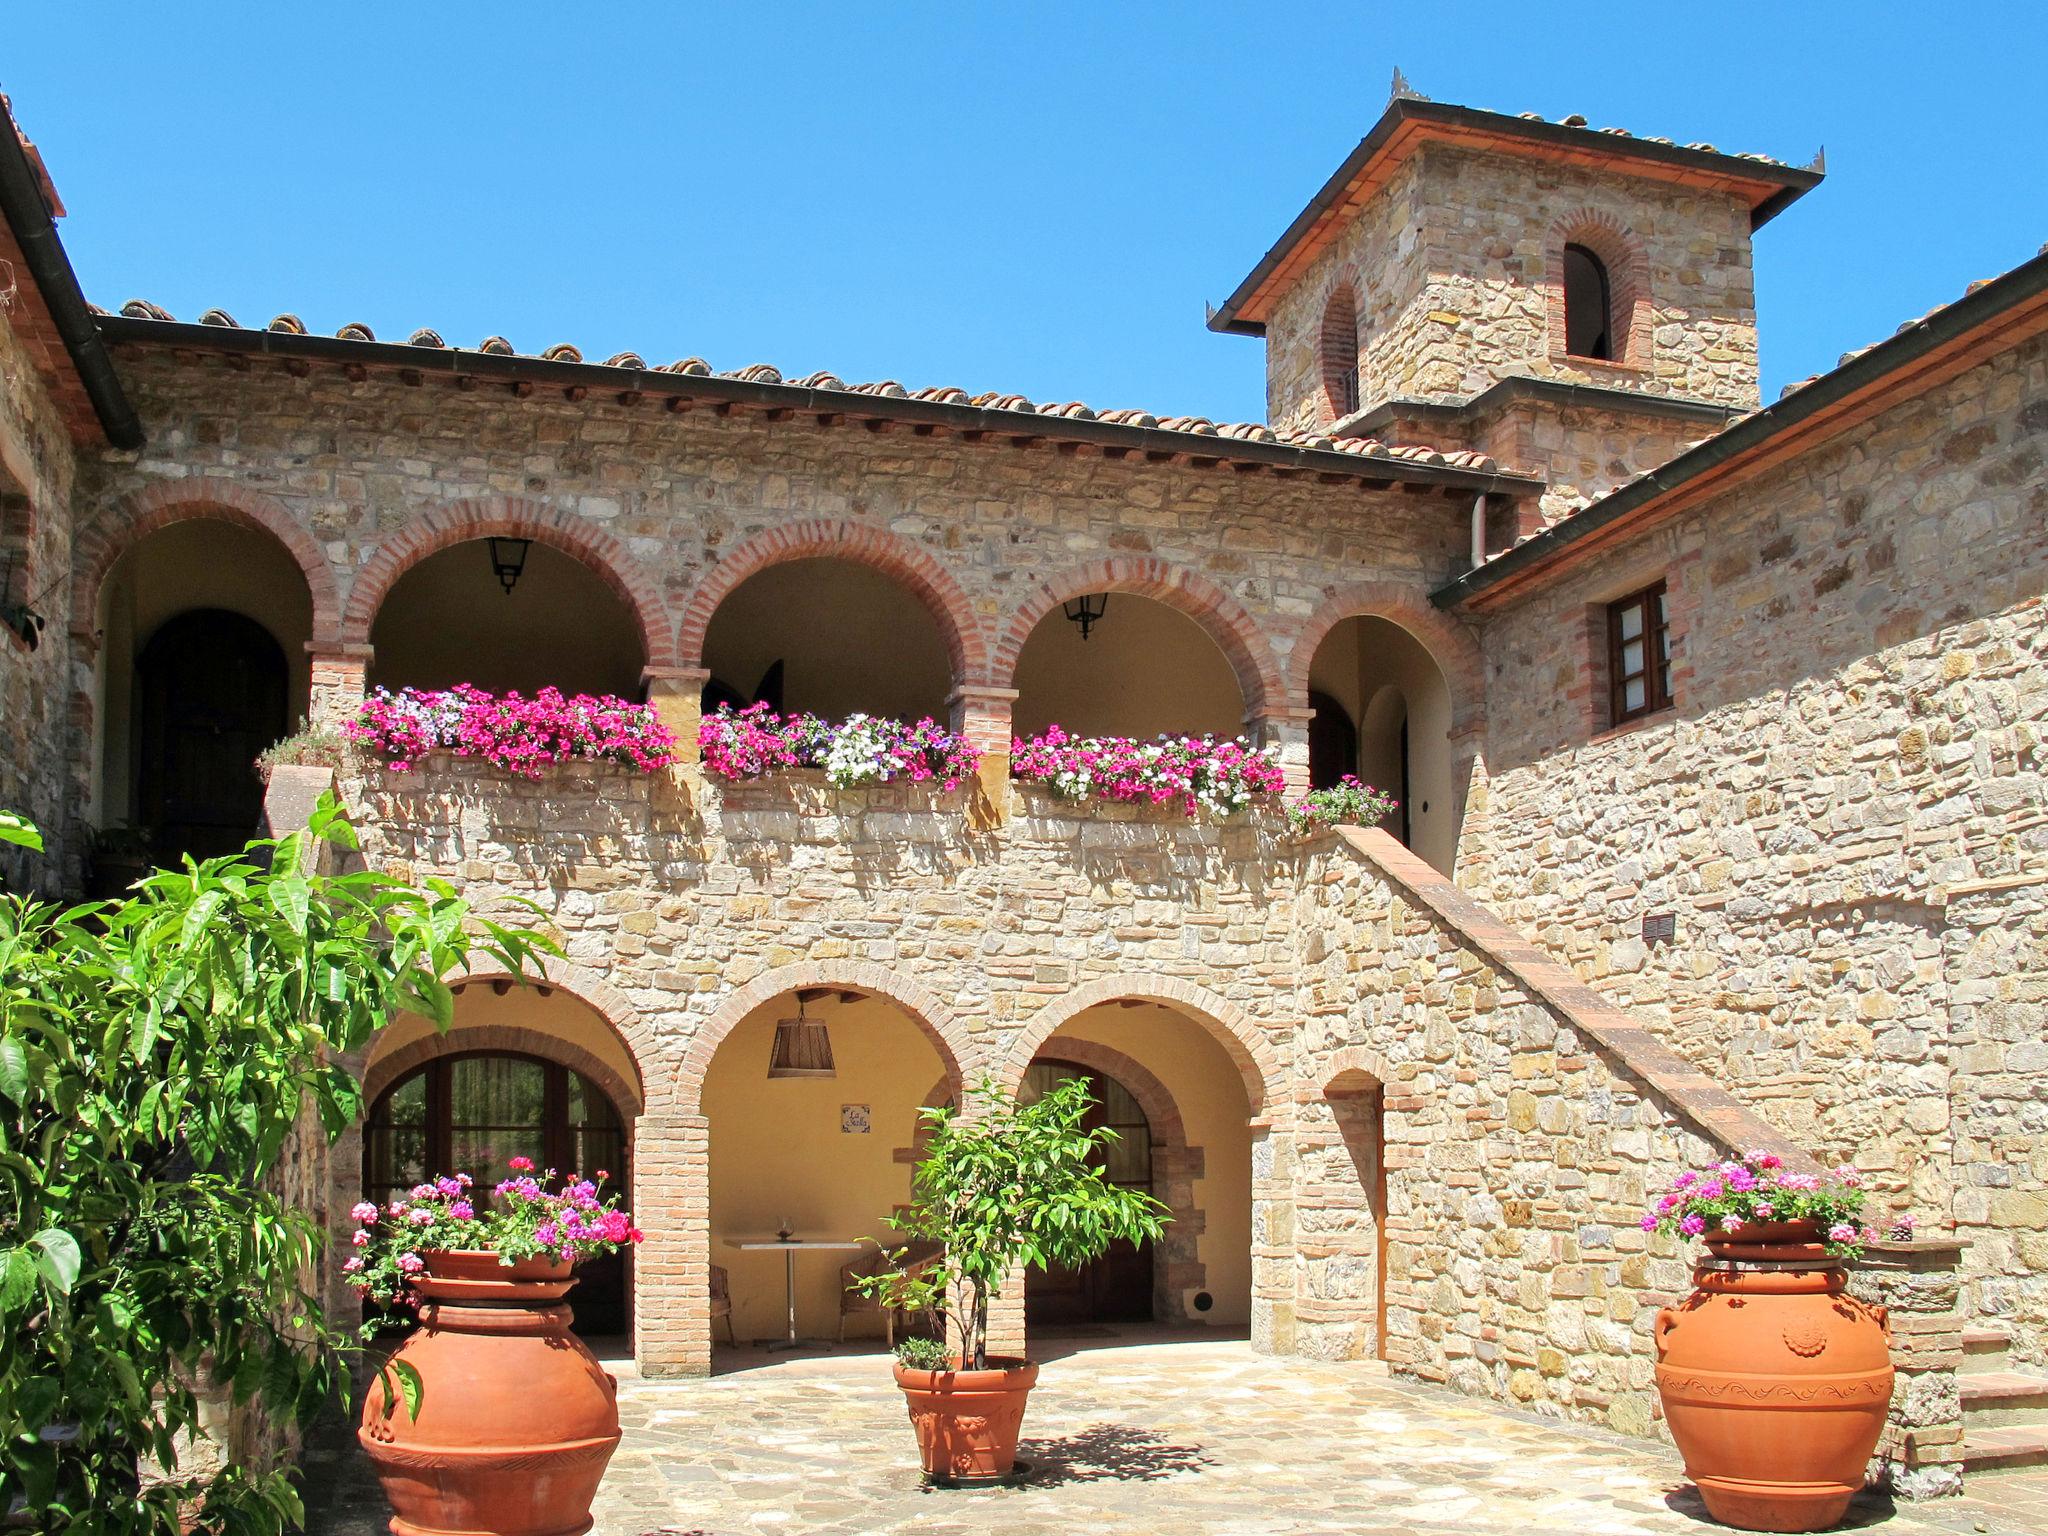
(2005, 1448)
(1998, 1399)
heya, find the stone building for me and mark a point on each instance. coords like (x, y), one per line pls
(1717, 730)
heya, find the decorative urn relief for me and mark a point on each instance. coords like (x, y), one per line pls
(1775, 1380)
(967, 1422)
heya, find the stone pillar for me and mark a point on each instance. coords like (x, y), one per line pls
(1273, 1244)
(1288, 728)
(677, 694)
(982, 715)
(340, 676)
(671, 1203)
(1921, 1454)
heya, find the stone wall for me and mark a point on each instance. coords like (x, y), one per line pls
(1846, 811)
(1456, 265)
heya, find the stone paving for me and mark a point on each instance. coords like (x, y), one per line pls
(1193, 1438)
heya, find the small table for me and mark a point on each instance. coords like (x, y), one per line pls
(790, 1248)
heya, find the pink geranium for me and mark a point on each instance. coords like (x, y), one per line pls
(521, 735)
(1184, 773)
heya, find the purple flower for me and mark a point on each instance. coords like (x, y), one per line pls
(1692, 1226)
(462, 1210)
(1649, 1222)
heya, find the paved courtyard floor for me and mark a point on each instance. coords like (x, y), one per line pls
(1187, 1438)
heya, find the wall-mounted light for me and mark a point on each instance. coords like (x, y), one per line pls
(508, 559)
(1087, 610)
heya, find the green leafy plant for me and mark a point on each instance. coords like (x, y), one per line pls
(1347, 803)
(157, 1055)
(1013, 1185)
(307, 747)
(922, 1354)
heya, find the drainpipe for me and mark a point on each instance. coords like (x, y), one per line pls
(1478, 530)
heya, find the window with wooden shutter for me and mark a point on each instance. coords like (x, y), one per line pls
(1638, 655)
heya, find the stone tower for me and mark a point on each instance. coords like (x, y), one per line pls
(1575, 302)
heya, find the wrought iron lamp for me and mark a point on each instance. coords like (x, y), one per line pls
(801, 1048)
(508, 559)
(1087, 610)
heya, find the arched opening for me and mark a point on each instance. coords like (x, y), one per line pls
(523, 1071)
(453, 618)
(1588, 305)
(811, 1102)
(832, 637)
(202, 664)
(1378, 692)
(1144, 669)
(1178, 1102)
(1339, 353)
(1345, 1300)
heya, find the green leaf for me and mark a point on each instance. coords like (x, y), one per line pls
(17, 1279)
(20, 831)
(14, 1069)
(57, 1258)
(411, 1390)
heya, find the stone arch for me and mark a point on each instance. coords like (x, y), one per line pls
(1449, 644)
(841, 539)
(457, 522)
(1222, 617)
(101, 544)
(1265, 1079)
(684, 1096)
(1628, 280)
(1177, 1264)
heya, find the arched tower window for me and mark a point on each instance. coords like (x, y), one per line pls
(1588, 305)
(1339, 348)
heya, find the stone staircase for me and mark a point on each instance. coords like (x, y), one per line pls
(2005, 1412)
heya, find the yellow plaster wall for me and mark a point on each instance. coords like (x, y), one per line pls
(1145, 670)
(1209, 1090)
(778, 1154)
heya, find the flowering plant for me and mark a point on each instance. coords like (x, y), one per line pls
(523, 1220)
(1193, 773)
(860, 750)
(509, 731)
(1346, 803)
(1730, 1195)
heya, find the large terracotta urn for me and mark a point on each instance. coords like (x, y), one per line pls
(516, 1418)
(967, 1422)
(1775, 1380)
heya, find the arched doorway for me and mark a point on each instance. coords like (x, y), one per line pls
(1383, 713)
(471, 1111)
(1116, 1288)
(213, 689)
(1143, 669)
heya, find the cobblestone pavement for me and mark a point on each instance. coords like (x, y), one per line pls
(1187, 1438)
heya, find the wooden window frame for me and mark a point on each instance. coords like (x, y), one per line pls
(1656, 670)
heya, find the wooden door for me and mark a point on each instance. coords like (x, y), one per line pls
(1116, 1288)
(212, 686)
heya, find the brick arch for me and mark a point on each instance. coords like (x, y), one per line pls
(1266, 1082)
(1628, 283)
(387, 1070)
(1346, 1071)
(1448, 643)
(209, 499)
(1337, 353)
(896, 557)
(458, 522)
(1176, 1261)
(1222, 617)
(684, 1095)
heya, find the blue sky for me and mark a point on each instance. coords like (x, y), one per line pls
(1035, 198)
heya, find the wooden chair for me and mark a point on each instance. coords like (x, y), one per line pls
(920, 1258)
(721, 1299)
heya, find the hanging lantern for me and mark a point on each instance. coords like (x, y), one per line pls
(1087, 610)
(802, 1048)
(508, 559)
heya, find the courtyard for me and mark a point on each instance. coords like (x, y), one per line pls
(1140, 1430)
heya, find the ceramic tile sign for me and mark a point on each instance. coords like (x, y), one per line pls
(853, 1119)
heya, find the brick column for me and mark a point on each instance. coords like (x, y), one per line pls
(340, 676)
(1921, 1454)
(677, 694)
(672, 1271)
(982, 715)
(1289, 729)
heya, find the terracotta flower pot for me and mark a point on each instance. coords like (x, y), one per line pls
(516, 1418)
(967, 1422)
(1775, 1381)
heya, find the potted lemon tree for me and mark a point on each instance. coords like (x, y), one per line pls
(1007, 1187)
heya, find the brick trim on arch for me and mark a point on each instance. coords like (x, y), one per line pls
(684, 1095)
(1222, 617)
(457, 522)
(1628, 287)
(1337, 354)
(1267, 1084)
(386, 1070)
(1450, 645)
(1176, 1263)
(204, 498)
(880, 549)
